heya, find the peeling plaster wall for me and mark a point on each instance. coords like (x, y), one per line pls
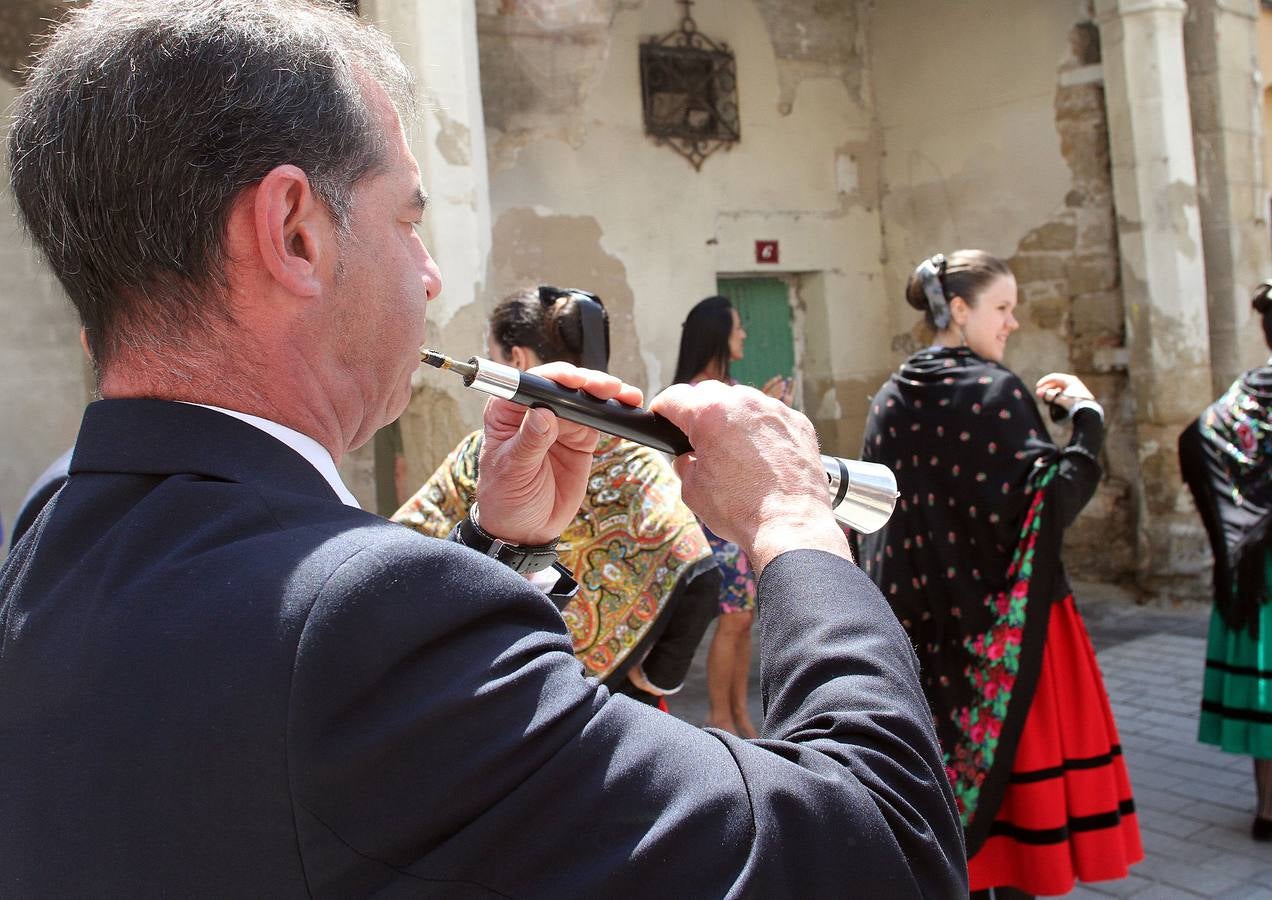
(580, 196)
(813, 39)
(1006, 149)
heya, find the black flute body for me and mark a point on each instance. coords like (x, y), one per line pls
(609, 416)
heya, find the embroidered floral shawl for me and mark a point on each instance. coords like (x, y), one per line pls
(632, 543)
(1226, 458)
(970, 559)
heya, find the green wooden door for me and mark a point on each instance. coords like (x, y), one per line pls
(764, 305)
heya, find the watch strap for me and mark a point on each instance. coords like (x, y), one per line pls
(521, 558)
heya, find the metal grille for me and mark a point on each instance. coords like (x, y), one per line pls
(690, 90)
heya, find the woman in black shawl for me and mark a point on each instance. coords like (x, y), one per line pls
(1226, 457)
(971, 564)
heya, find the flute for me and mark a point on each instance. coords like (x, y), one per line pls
(862, 494)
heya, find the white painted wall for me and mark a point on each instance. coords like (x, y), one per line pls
(673, 229)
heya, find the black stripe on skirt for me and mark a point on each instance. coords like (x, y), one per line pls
(1220, 666)
(1075, 825)
(1229, 712)
(1069, 765)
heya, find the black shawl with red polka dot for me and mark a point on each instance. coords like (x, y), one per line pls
(970, 560)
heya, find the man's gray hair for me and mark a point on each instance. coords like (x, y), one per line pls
(144, 119)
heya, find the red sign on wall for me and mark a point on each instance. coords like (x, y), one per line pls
(766, 252)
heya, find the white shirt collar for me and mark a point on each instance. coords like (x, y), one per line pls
(315, 453)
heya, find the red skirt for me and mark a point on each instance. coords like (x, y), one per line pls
(1067, 813)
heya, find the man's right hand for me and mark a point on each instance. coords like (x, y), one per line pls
(534, 467)
(755, 474)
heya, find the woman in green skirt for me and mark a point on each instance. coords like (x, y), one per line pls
(1226, 457)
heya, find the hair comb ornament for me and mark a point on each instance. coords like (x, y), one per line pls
(593, 322)
(929, 272)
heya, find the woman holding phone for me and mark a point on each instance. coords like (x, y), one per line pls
(711, 338)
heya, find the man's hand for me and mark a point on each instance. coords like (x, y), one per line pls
(755, 474)
(533, 470)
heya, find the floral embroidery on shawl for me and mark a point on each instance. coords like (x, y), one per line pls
(629, 546)
(1226, 459)
(993, 677)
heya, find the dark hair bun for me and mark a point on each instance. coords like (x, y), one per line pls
(1261, 301)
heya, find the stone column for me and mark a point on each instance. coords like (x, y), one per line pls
(1162, 269)
(438, 40)
(1221, 46)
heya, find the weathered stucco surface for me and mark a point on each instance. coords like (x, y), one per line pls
(816, 39)
(540, 62)
(578, 189)
(532, 249)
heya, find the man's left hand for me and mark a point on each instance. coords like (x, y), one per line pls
(534, 467)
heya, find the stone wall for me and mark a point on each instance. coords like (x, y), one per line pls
(1067, 270)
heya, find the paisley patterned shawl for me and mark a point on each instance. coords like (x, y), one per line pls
(970, 560)
(1226, 457)
(632, 543)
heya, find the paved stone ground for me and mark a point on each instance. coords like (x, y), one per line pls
(1195, 803)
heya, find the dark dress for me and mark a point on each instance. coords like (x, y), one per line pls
(970, 563)
(1225, 457)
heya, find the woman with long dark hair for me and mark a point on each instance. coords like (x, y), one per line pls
(970, 562)
(647, 578)
(711, 338)
(1226, 457)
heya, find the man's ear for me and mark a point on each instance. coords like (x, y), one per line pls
(295, 236)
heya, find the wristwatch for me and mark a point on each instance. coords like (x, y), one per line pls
(520, 558)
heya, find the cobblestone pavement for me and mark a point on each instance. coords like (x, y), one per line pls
(1195, 803)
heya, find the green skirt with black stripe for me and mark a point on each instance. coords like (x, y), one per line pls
(1236, 696)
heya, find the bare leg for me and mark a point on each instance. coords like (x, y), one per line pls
(741, 677)
(1262, 830)
(720, 662)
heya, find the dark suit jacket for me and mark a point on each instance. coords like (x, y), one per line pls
(215, 679)
(40, 493)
